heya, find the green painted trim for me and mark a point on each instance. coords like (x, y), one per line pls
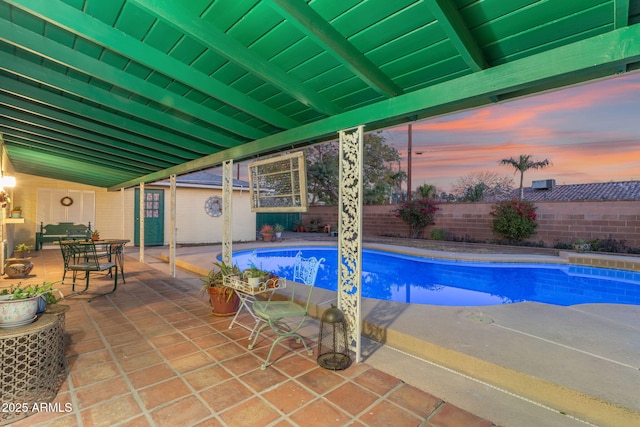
(45, 76)
(87, 27)
(178, 16)
(47, 48)
(303, 17)
(459, 35)
(582, 58)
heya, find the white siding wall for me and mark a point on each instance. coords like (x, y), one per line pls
(114, 212)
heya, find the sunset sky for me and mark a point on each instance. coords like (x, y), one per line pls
(590, 133)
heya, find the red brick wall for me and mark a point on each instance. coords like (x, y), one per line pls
(562, 222)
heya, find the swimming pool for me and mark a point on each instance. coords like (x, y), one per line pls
(417, 280)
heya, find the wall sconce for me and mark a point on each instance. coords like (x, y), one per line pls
(7, 181)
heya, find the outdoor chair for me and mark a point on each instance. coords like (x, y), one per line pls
(81, 256)
(285, 318)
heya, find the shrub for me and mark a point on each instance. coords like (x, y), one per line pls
(438, 234)
(417, 214)
(514, 220)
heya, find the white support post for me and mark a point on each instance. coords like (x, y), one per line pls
(141, 222)
(350, 233)
(227, 197)
(172, 225)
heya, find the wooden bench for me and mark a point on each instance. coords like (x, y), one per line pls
(62, 230)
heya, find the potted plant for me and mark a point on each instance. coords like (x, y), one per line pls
(254, 276)
(278, 229)
(22, 250)
(223, 299)
(581, 245)
(16, 212)
(95, 235)
(267, 232)
(19, 305)
(298, 226)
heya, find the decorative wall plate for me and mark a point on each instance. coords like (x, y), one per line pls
(213, 206)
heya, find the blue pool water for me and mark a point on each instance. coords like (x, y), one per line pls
(405, 278)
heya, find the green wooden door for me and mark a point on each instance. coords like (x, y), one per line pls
(153, 217)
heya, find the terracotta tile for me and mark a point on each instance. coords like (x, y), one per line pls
(151, 375)
(140, 421)
(451, 416)
(295, 365)
(140, 361)
(191, 362)
(198, 331)
(124, 338)
(167, 340)
(209, 340)
(185, 412)
(414, 399)
(387, 414)
(377, 381)
(352, 398)
(225, 395)
(207, 377)
(88, 360)
(254, 412)
(85, 346)
(320, 380)
(226, 351)
(92, 375)
(242, 364)
(131, 349)
(178, 350)
(260, 380)
(110, 412)
(319, 413)
(161, 393)
(288, 396)
(186, 324)
(101, 392)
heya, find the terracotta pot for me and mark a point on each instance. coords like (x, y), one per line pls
(267, 237)
(18, 267)
(222, 304)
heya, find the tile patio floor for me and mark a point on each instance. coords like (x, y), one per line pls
(152, 354)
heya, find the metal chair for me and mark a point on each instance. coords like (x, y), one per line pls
(83, 257)
(286, 318)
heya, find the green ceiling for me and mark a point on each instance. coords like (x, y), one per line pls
(114, 92)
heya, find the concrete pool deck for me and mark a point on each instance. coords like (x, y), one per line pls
(525, 364)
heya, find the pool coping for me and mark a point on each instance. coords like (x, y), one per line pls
(460, 339)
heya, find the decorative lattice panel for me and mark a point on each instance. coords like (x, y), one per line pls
(279, 184)
(32, 366)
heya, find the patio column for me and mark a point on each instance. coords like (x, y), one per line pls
(141, 222)
(172, 225)
(227, 197)
(350, 233)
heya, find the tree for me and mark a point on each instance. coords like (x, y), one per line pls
(523, 164)
(426, 191)
(477, 185)
(379, 176)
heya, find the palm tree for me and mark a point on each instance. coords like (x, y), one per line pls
(523, 164)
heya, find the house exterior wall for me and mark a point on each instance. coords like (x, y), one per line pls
(115, 217)
(558, 222)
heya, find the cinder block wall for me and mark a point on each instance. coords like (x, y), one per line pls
(562, 222)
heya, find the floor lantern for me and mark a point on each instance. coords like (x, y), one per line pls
(333, 350)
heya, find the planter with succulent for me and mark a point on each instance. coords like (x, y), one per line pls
(19, 305)
(278, 229)
(254, 276)
(267, 232)
(16, 212)
(95, 235)
(22, 250)
(224, 300)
